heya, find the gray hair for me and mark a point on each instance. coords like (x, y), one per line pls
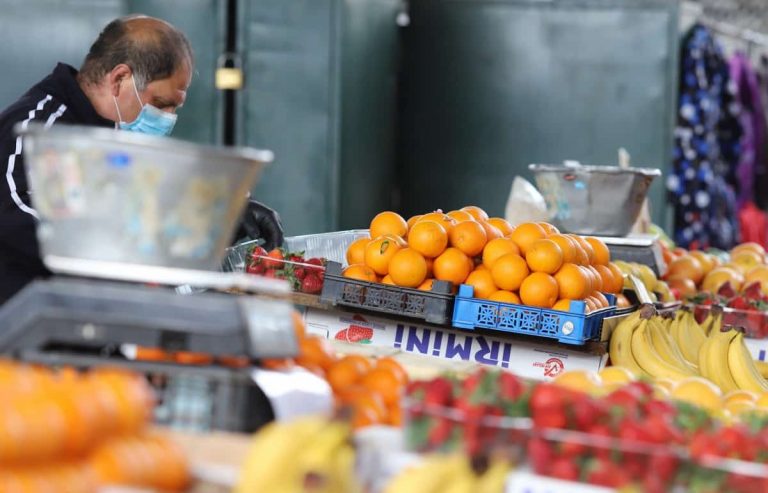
(152, 48)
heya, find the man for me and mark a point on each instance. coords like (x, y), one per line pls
(134, 78)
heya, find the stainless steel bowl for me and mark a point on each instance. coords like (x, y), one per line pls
(109, 196)
(594, 200)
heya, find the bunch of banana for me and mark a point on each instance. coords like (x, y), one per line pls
(308, 454)
(450, 474)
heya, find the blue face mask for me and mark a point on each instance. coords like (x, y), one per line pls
(151, 120)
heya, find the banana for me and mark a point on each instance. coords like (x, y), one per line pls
(743, 367)
(712, 355)
(433, 475)
(620, 348)
(762, 367)
(706, 325)
(330, 457)
(688, 335)
(648, 359)
(270, 463)
(494, 479)
(667, 348)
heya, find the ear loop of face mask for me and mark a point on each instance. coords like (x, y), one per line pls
(117, 107)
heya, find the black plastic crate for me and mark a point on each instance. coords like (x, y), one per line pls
(434, 306)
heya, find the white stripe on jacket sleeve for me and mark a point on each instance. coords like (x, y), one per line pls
(17, 152)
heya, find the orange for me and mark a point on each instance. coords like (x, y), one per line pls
(591, 305)
(400, 241)
(498, 248)
(408, 268)
(581, 255)
(746, 260)
(707, 261)
(758, 274)
(299, 325)
(461, 216)
(482, 267)
(686, 266)
(368, 409)
(385, 383)
(749, 246)
(315, 352)
(719, 276)
(602, 253)
(502, 296)
(469, 237)
(478, 213)
(549, 228)
(525, 234)
(608, 281)
(604, 303)
(412, 221)
(482, 281)
(347, 372)
(426, 285)
(356, 251)
(428, 238)
(590, 279)
(509, 271)
(444, 220)
(388, 280)
(572, 282)
(597, 281)
(618, 277)
(379, 253)
(502, 225)
(491, 231)
(453, 265)
(586, 246)
(539, 289)
(566, 245)
(361, 272)
(622, 301)
(395, 415)
(391, 364)
(430, 266)
(563, 305)
(388, 223)
(544, 256)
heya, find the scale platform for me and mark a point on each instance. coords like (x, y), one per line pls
(643, 249)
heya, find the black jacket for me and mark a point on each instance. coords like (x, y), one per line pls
(55, 100)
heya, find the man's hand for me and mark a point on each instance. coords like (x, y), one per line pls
(261, 222)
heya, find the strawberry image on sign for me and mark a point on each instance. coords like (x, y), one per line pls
(355, 333)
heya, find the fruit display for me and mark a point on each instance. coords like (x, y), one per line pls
(678, 348)
(693, 272)
(307, 454)
(305, 275)
(530, 264)
(606, 429)
(82, 430)
(370, 387)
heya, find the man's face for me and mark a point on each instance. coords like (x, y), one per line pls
(166, 94)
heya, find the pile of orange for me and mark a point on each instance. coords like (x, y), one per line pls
(61, 428)
(532, 263)
(694, 271)
(370, 388)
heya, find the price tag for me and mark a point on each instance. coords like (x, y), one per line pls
(640, 289)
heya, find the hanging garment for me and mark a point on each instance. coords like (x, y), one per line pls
(754, 224)
(752, 122)
(707, 139)
(761, 166)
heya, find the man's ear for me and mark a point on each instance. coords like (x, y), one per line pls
(116, 77)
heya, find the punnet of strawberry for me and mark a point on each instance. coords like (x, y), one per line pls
(305, 275)
(628, 438)
(747, 309)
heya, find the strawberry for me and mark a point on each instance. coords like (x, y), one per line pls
(440, 431)
(296, 258)
(510, 387)
(257, 254)
(753, 291)
(255, 268)
(311, 284)
(540, 454)
(565, 469)
(300, 273)
(274, 259)
(355, 333)
(740, 303)
(548, 406)
(726, 290)
(315, 262)
(439, 392)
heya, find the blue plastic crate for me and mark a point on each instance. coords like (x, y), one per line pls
(573, 327)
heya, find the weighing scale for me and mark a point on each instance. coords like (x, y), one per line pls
(643, 249)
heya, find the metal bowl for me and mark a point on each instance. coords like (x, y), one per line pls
(109, 196)
(594, 200)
